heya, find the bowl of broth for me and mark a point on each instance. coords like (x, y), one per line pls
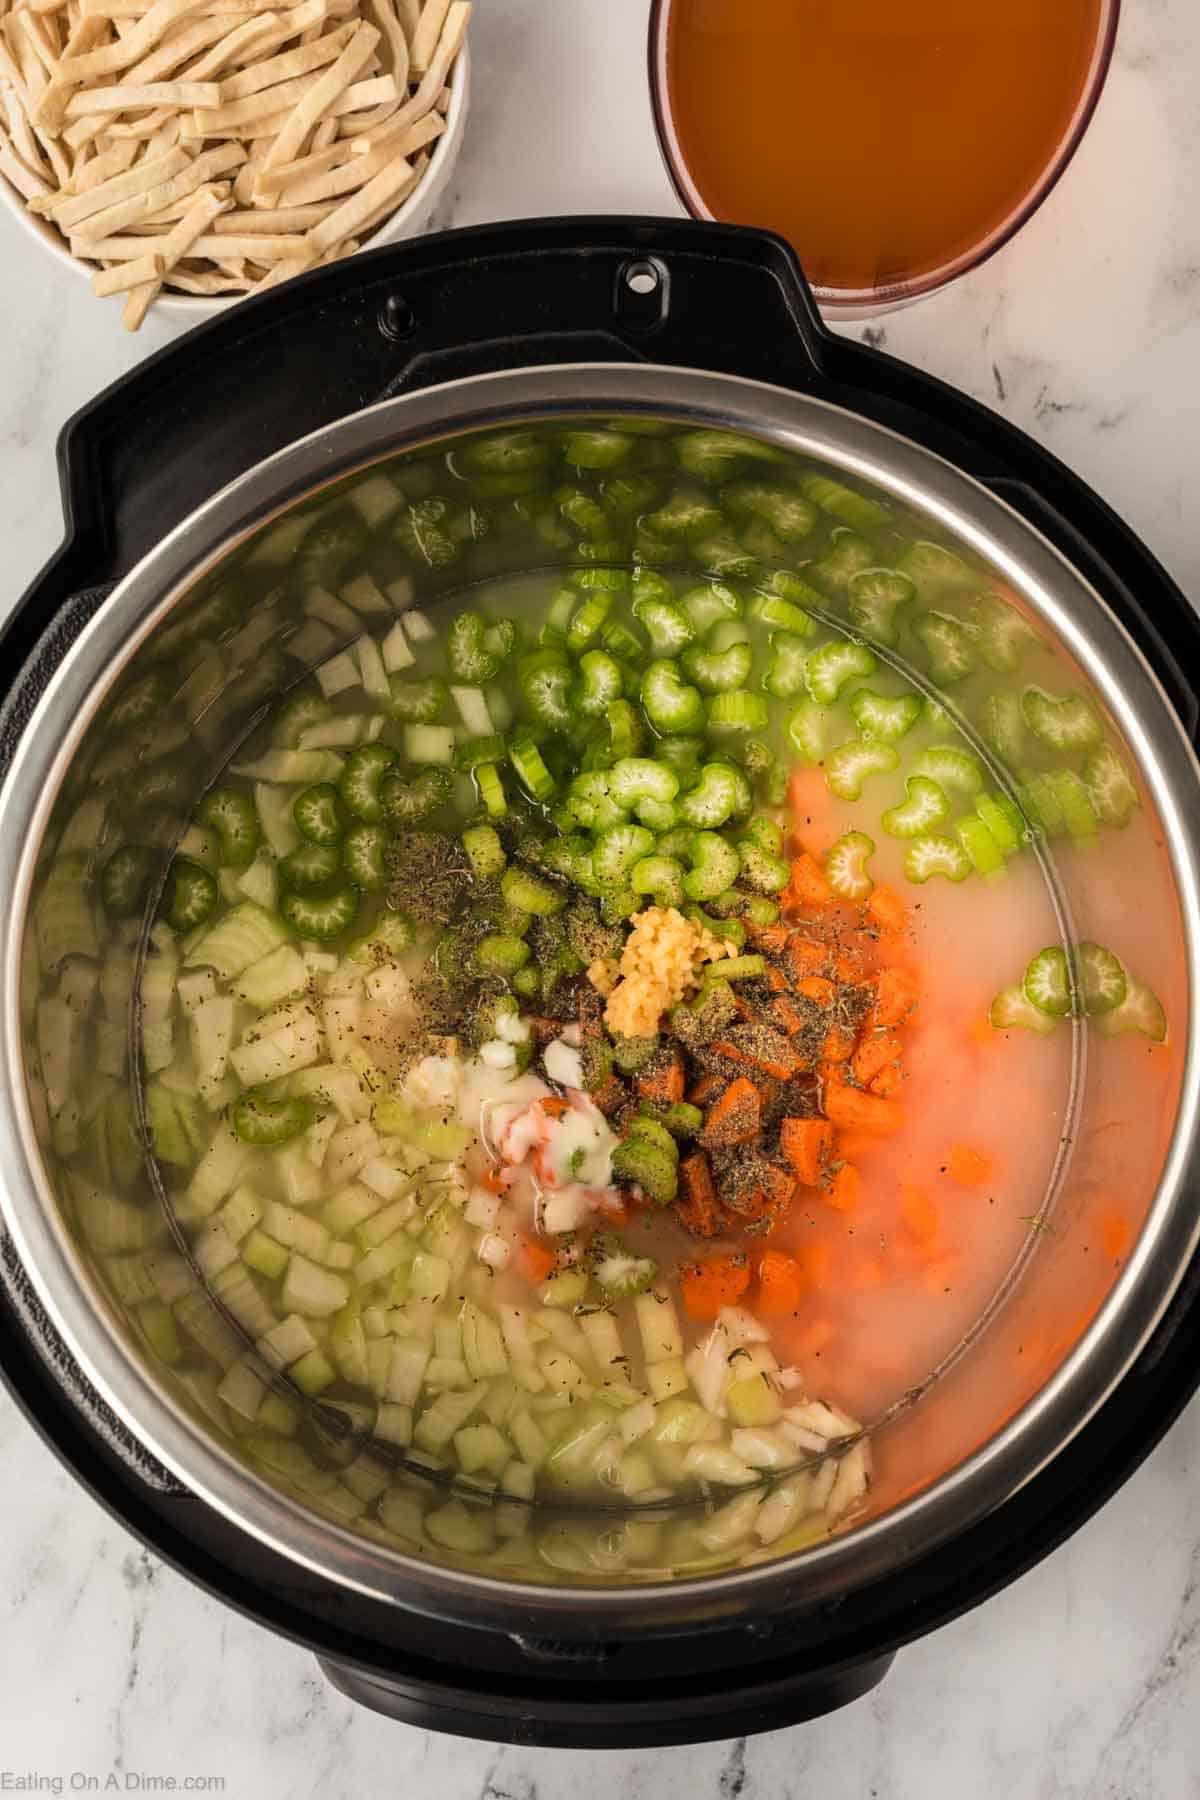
(598, 992)
(894, 147)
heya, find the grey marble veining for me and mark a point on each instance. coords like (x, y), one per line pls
(1081, 1681)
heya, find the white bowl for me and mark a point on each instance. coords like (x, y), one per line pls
(410, 218)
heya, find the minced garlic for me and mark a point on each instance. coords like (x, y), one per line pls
(663, 960)
(604, 974)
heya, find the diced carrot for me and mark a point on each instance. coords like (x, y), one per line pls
(818, 988)
(780, 1283)
(816, 1262)
(856, 1146)
(850, 1107)
(803, 957)
(771, 938)
(735, 1117)
(554, 1106)
(844, 1191)
(786, 1016)
(704, 1088)
(867, 1272)
(807, 793)
(778, 1060)
(766, 1206)
(610, 1096)
(777, 1198)
(535, 1260)
(838, 1046)
(807, 887)
(968, 1166)
(665, 1081)
(886, 909)
(709, 1285)
(697, 1205)
(493, 1181)
(741, 1005)
(939, 1275)
(807, 1144)
(831, 1075)
(775, 979)
(889, 1081)
(918, 1214)
(873, 1054)
(1114, 1235)
(896, 995)
(813, 1338)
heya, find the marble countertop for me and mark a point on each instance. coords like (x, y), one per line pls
(1077, 1682)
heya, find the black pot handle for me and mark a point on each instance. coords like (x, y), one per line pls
(166, 437)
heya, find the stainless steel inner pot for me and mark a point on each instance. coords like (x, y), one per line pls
(1076, 1313)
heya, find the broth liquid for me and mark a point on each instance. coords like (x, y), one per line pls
(884, 140)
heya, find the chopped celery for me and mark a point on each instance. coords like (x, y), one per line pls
(1047, 982)
(191, 895)
(948, 646)
(719, 792)
(230, 813)
(715, 866)
(621, 1275)
(1067, 723)
(848, 555)
(1003, 820)
(932, 854)
(1110, 787)
(831, 667)
(1103, 978)
(125, 880)
(670, 704)
(846, 866)
(844, 503)
(987, 858)
(1140, 1011)
(954, 769)
(264, 1122)
(1003, 633)
(738, 711)
(566, 1289)
(875, 597)
(1074, 804)
(310, 869)
(406, 801)
(847, 767)
(806, 731)
(1012, 1008)
(883, 715)
(321, 916)
(924, 807)
(363, 853)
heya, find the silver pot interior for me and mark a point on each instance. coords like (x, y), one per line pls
(1032, 1267)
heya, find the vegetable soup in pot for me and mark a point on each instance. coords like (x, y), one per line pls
(608, 1036)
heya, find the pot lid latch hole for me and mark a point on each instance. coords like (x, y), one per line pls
(642, 292)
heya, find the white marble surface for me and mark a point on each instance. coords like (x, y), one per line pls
(1078, 1682)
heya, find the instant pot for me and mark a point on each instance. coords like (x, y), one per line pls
(176, 476)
